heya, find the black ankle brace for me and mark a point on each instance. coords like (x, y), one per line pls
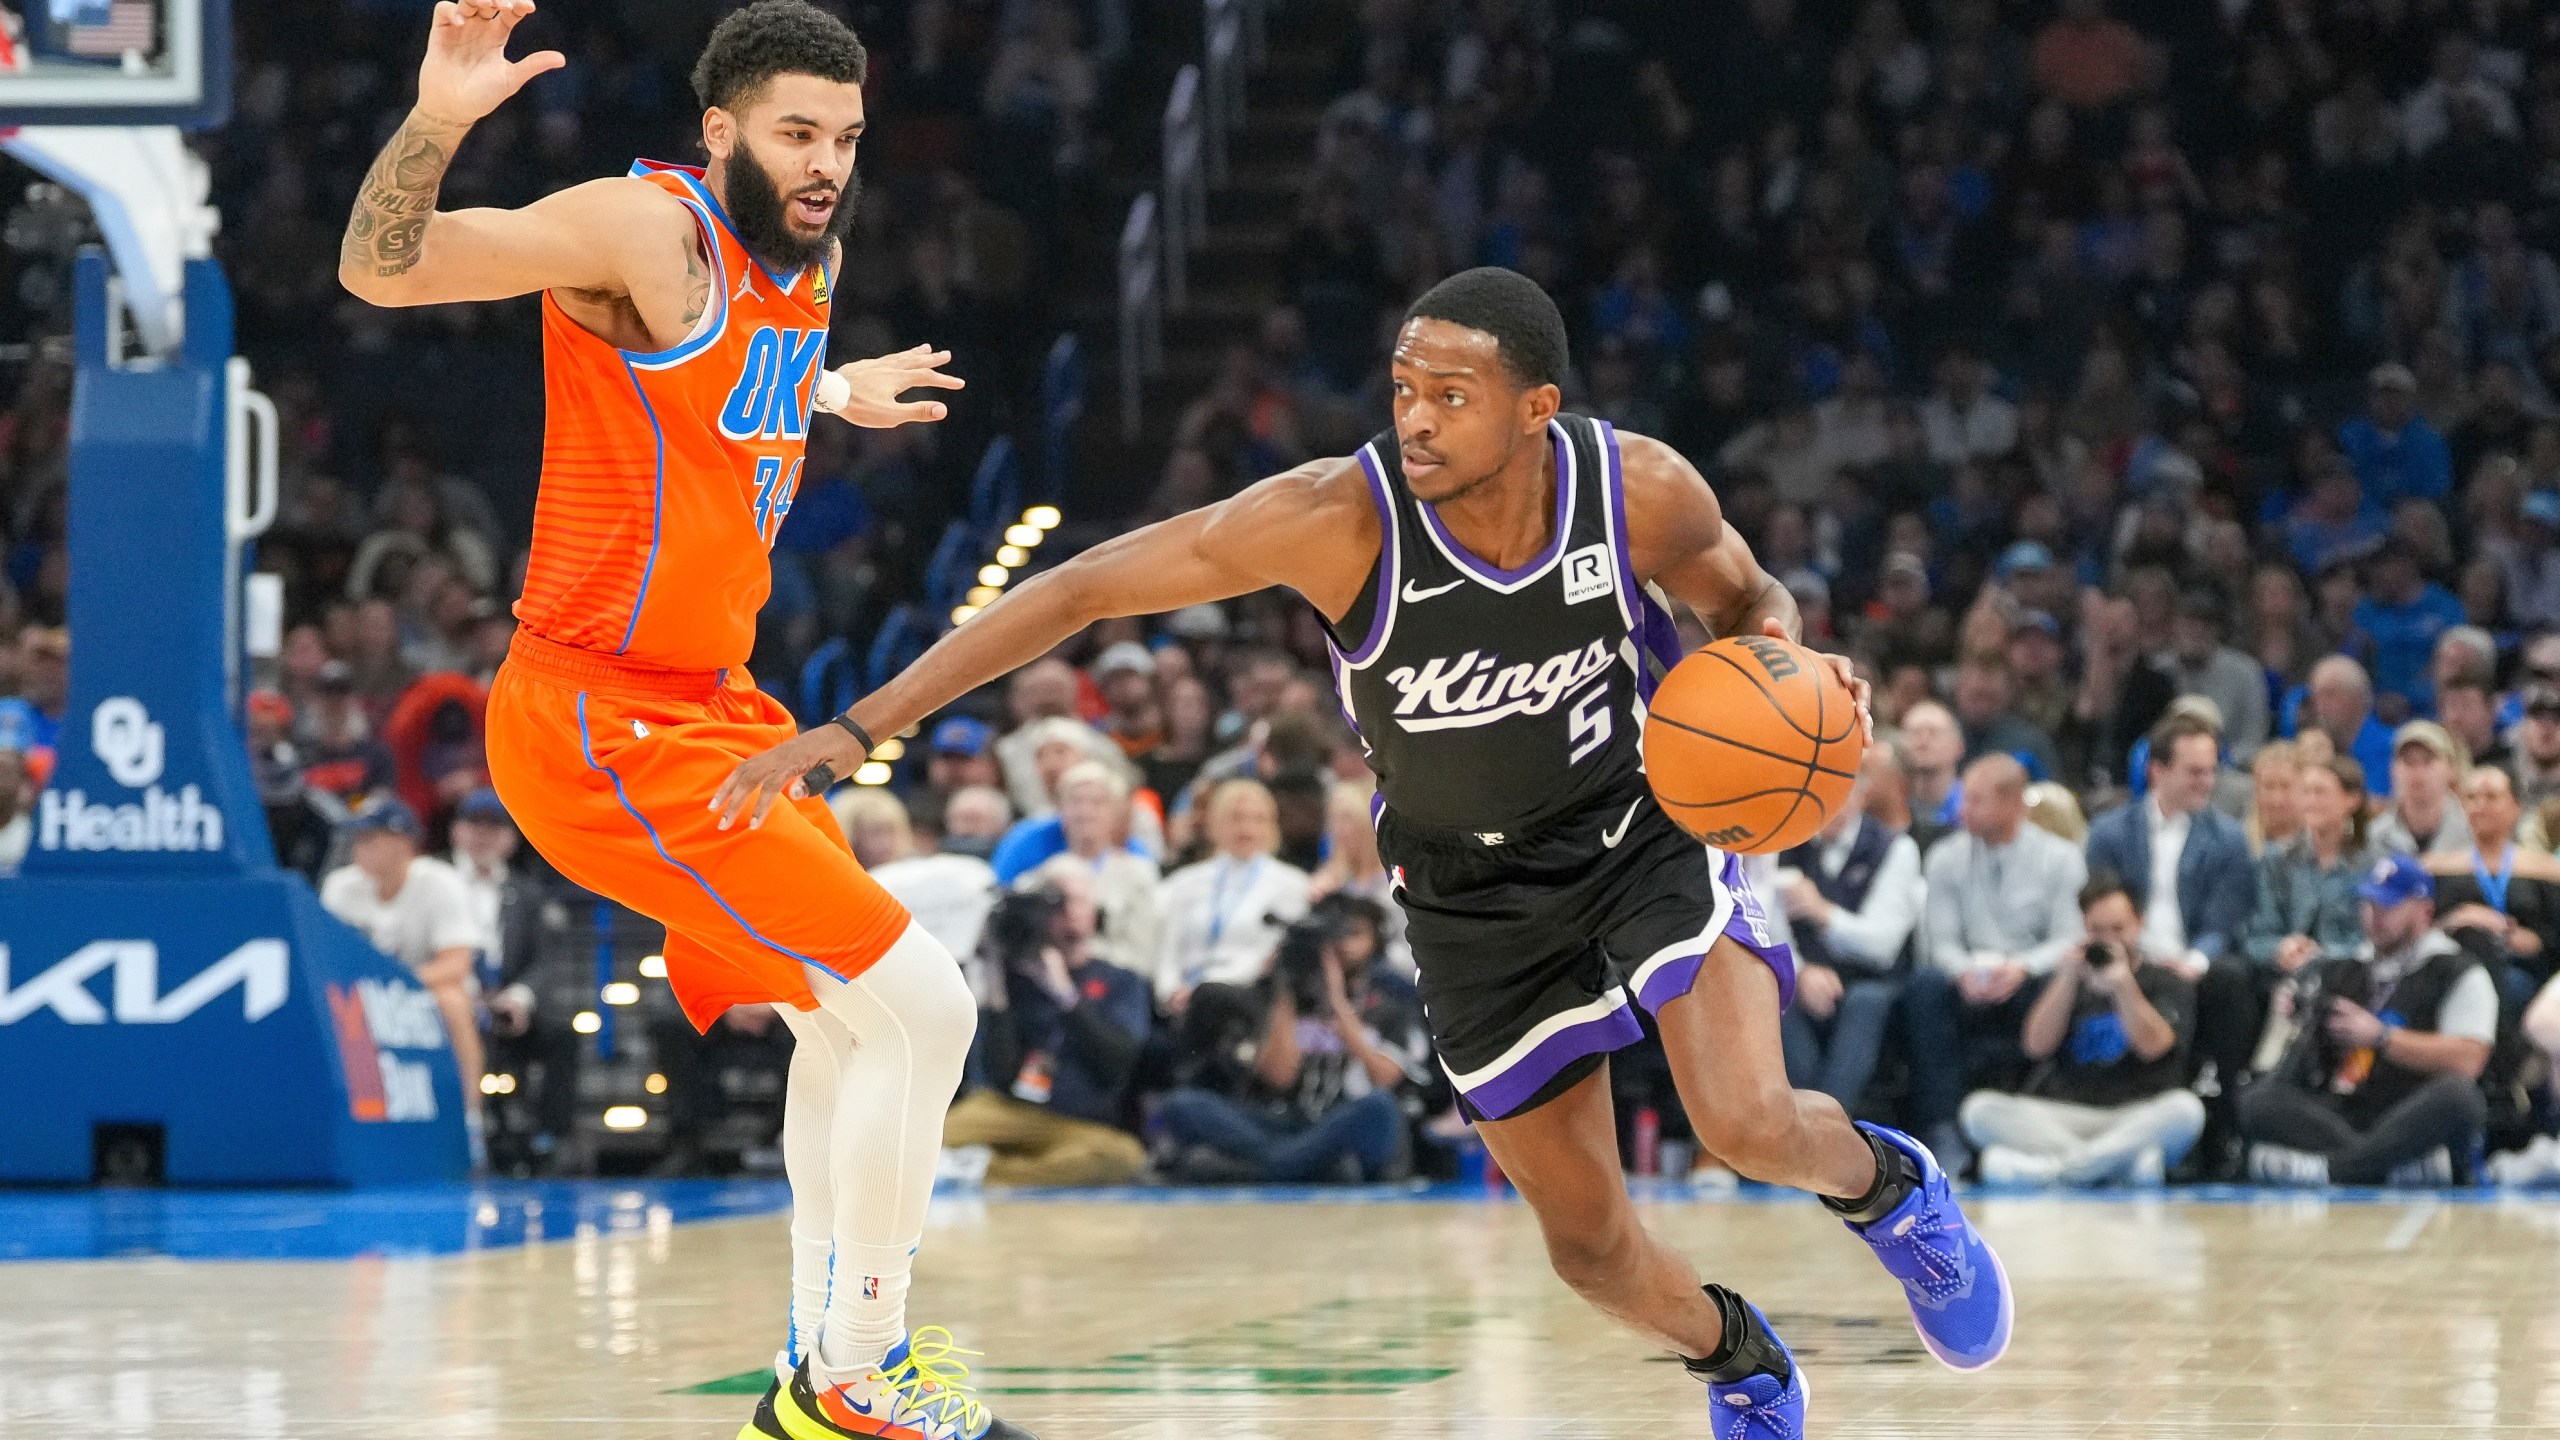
(1747, 1348)
(1897, 1175)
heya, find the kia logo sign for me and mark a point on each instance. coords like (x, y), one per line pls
(260, 968)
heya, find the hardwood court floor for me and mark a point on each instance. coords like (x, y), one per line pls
(2280, 1319)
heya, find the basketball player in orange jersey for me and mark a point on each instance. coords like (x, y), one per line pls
(684, 325)
(1492, 572)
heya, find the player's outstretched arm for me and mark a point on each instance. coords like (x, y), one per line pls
(1301, 529)
(1678, 539)
(400, 250)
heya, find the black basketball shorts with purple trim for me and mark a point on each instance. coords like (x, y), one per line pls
(1535, 949)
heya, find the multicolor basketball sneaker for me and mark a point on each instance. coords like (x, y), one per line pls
(916, 1392)
(767, 1425)
(1959, 1295)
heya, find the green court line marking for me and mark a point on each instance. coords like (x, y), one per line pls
(1178, 1380)
(1162, 1390)
(750, 1383)
(1319, 1350)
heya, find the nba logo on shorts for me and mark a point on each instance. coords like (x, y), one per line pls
(870, 1287)
(1586, 575)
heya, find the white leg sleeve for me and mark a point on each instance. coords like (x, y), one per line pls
(819, 1044)
(911, 1018)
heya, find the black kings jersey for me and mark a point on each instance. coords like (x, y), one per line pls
(1491, 700)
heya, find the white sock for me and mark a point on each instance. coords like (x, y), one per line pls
(810, 1257)
(819, 1042)
(868, 1313)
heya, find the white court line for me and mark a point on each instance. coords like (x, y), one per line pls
(2405, 1234)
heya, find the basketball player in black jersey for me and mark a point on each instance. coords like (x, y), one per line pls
(1494, 575)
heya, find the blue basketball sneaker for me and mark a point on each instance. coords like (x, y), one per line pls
(1959, 1295)
(1760, 1406)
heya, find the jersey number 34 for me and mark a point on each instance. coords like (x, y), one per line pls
(774, 490)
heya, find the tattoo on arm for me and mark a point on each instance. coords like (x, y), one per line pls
(697, 280)
(399, 195)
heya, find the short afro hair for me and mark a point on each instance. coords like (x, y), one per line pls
(775, 37)
(1509, 306)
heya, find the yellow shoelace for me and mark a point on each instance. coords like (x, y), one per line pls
(933, 1381)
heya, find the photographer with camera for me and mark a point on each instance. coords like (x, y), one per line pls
(1342, 1046)
(2380, 1078)
(2108, 1036)
(1059, 1032)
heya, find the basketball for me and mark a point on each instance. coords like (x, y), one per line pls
(1752, 743)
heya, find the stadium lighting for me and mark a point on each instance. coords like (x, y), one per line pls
(963, 614)
(625, 1117)
(1045, 517)
(653, 967)
(873, 772)
(1013, 556)
(892, 749)
(496, 1084)
(993, 575)
(984, 595)
(586, 1022)
(655, 1084)
(622, 992)
(1025, 536)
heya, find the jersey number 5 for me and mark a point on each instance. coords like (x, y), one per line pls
(1590, 724)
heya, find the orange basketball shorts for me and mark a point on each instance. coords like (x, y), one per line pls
(609, 768)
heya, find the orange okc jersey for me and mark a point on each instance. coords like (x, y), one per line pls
(625, 700)
(666, 475)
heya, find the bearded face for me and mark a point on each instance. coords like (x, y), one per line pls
(785, 231)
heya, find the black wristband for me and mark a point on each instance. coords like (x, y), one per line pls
(822, 778)
(857, 732)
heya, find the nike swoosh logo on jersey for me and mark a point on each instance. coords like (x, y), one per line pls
(1609, 838)
(1412, 593)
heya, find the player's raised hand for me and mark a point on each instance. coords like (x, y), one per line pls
(869, 393)
(467, 73)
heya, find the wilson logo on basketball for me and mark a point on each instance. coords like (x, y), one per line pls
(771, 399)
(1773, 656)
(1478, 689)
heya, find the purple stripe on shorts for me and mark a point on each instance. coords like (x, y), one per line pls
(1513, 1088)
(1748, 927)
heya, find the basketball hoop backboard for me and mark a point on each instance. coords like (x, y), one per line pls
(115, 62)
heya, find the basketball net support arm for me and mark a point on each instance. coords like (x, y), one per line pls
(148, 192)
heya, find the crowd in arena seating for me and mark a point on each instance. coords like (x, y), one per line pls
(2159, 400)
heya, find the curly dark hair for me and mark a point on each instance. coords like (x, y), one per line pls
(775, 37)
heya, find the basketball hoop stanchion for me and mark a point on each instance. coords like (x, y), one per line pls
(162, 981)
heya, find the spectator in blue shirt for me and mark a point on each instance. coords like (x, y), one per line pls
(2397, 624)
(2396, 454)
(2332, 523)
(1092, 819)
(31, 723)
(2340, 705)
